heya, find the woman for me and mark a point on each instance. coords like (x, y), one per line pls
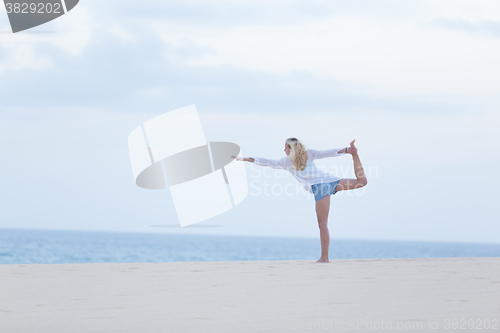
(300, 162)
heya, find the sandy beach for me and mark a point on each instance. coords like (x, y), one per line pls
(253, 296)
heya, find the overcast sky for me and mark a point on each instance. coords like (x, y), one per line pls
(416, 83)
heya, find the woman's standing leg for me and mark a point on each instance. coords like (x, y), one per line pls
(322, 210)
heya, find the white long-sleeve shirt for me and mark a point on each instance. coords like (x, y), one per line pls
(311, 174)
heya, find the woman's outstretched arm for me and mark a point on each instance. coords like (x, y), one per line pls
(330, 152)
(275, 164)
(316, 154)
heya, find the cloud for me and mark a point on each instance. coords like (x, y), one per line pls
(250, 56)
(485, 28)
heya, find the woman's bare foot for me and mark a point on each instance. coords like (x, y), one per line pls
(352, 149)
(323, 260)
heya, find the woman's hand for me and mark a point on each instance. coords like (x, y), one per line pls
(237, 158)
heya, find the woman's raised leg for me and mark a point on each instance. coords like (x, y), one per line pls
(322, 210)
(360, 181)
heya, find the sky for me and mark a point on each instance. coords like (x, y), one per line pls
(416, 83)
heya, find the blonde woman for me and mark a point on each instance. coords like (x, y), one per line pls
(300, 163)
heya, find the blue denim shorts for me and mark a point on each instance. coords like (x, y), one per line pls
(323, 189)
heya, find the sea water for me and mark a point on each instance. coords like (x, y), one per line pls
(18, 246)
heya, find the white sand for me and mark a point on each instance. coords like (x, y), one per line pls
(250, 296)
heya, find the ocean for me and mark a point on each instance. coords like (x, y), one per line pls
(20, 246)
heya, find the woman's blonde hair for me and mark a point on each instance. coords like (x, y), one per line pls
(298, 153)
